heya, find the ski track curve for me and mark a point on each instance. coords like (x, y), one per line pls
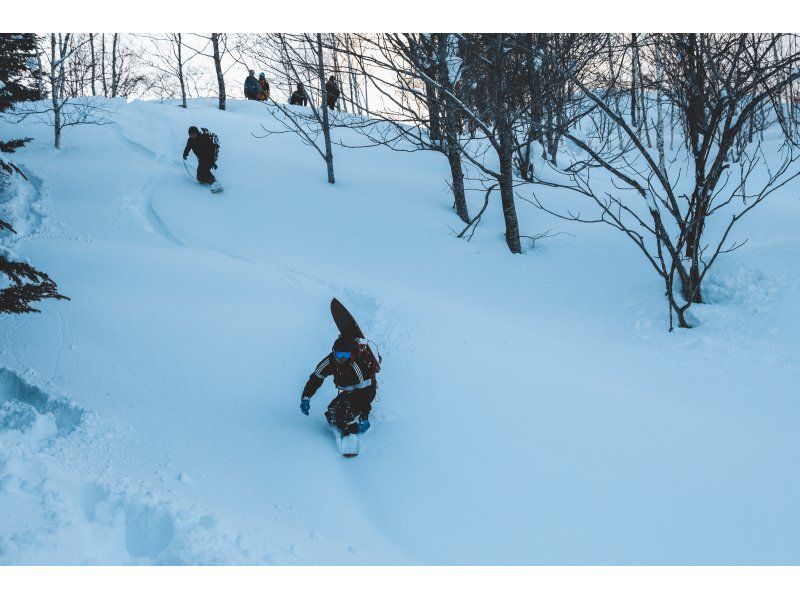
(359, 300)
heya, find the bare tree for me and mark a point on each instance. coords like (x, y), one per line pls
(169, 57)
(63, 110)
(214, 46)
(716, 83)
(300, 58)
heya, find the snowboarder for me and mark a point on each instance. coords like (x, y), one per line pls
(251, 86)
(299, 97)
(332, 89)
(349, 411)
(205, 146)
(263, 88)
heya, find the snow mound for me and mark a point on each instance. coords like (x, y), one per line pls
(61, 516)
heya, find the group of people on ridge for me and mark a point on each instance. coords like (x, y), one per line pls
(258, 89)
(205, 144)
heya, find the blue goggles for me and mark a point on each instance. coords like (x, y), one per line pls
(342, 355)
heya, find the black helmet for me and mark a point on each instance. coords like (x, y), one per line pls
(343, 349)
(194, 130)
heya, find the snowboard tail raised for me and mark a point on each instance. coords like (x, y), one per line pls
(344, 320)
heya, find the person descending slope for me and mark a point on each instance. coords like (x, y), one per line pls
(263, 88)
(251, 86)
(355, 379)
(205, 146)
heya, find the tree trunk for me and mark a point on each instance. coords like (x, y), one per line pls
(355, 101)
(366, 94)
(451, 132)
(644, 124)
(633, 79)
(218, 68)
(103, 64)
(338, 72)
(114, 81)
(506, 182)
(326, 130)
(40, 78)
(94, 66)
(659, 108)
(433, 113)
(180, 69)
(505, 149)
(57, 82)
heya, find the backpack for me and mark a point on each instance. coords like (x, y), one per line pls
(367, 357)
(214, 143)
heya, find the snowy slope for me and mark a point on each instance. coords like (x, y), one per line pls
(533, 409)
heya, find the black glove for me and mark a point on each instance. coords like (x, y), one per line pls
(305, 405)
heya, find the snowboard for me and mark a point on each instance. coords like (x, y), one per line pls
(347, 325)
(348, 445)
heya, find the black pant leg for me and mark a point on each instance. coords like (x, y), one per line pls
(204, 172)
(330, 413)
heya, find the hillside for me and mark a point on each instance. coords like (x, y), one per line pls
(533, 409)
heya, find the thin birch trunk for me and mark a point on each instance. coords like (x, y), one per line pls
(103, 65)
(451, 133)
(218, 68)
(181, 78)
(659, 109)
(633, 80)
(114, 81)
(326, 130)
(94, 67)
(40, 77)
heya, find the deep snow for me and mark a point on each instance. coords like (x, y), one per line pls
(533, 409)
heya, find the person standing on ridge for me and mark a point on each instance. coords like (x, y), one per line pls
(299, 97)
(251, 86)
(263, 88)
(332, 89)
(205, 146)
(355, 381)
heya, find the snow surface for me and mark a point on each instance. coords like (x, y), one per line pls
(533, 409)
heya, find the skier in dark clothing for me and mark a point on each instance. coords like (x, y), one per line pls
(203, 147)
(251, 87)
(349, 411)
(299, 97)
(333, 92)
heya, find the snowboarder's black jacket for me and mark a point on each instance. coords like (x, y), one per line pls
(202, 146)
(349, 377)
